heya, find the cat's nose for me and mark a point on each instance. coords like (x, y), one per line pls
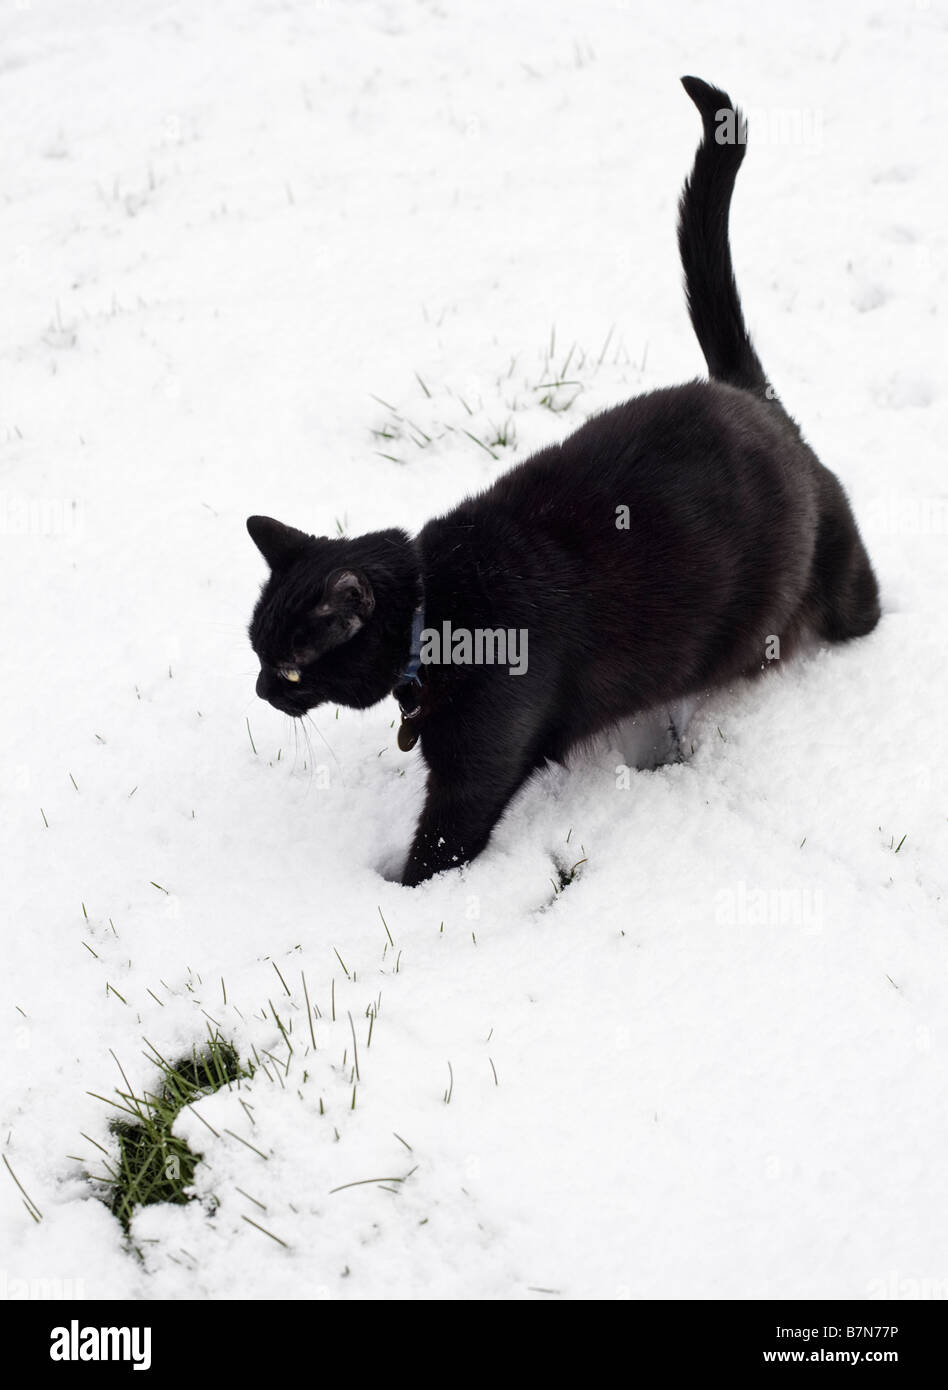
(263, 686)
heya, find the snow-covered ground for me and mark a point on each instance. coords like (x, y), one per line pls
(715, 1064)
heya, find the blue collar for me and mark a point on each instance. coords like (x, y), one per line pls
(410, 674)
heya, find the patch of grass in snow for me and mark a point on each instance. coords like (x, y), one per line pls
(566, 871)
(554, 382)
(152, 1164)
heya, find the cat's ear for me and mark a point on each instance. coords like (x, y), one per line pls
(348, 600)
(278, 544)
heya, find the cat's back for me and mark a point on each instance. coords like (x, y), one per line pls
(703, 436)
(696, 484)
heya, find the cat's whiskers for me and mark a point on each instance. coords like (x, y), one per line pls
(310, 763)
(310, 720)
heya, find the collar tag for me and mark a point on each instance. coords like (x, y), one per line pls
(407, 735)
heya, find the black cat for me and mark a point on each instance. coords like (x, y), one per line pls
(656, 553)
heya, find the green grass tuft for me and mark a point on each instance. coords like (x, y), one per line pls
(152, 1164)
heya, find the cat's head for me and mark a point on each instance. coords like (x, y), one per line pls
(333, 620)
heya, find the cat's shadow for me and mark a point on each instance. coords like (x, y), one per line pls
(392, 865)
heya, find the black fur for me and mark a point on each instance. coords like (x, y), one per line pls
(737, 534)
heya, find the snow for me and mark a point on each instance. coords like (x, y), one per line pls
(714, 1064)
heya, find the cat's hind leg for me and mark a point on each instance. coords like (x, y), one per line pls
(843, 596)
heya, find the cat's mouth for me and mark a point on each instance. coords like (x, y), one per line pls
(292, 710)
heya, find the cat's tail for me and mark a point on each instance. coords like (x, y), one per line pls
(710, 287)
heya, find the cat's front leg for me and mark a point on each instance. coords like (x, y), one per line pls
(458, 818)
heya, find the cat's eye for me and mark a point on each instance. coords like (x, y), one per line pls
(290, 673)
